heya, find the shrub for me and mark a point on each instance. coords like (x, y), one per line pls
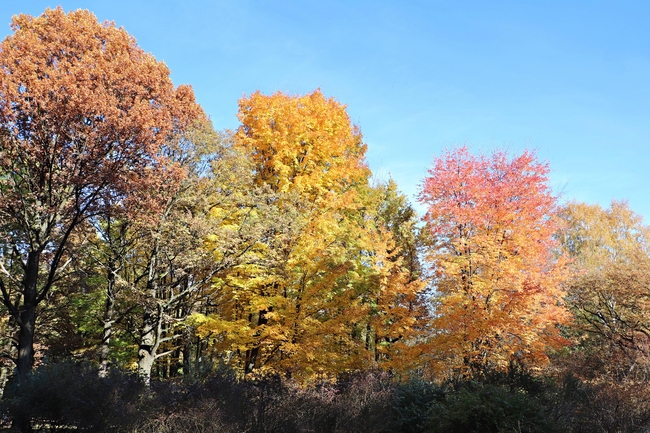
(486, 408)
(71, 394)
(413, 400)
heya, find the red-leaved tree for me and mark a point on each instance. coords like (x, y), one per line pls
(499, 285)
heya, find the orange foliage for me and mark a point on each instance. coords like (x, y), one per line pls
(499, 286)
(84, 113)
(302, 143)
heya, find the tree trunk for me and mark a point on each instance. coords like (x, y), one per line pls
(252, 354)
(109, 312)
(26, 322)
(27, 319)
(147, 347)
(145, 364)
(186, 353)
(26, 340)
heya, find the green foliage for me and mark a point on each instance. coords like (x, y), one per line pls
(485, 408)
(413, 399)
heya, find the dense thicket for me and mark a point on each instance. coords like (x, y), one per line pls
(163, 276)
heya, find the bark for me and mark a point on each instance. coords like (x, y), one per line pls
(26, 340)
(187, 364)
(109, 313)
(5, 374)
(253, 354)
(145, 364)
(150, 331)
(27, 319)
(148, 344)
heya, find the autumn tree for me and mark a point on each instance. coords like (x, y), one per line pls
(396, 313)
(303, 143)
(307, 158)
(302, 303)
(177, 264)
(400, 218)
(498, 285)
(250, 231)
(596, 237)
(608, 291)
(83, 114)
(156, 251)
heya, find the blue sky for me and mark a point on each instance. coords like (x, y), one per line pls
(570, 79)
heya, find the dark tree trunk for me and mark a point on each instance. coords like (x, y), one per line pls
(253, 354)
(26, 323)
(26, 339)
(27, 319)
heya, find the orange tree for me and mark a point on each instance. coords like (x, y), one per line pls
(83, 114)
(499, 286)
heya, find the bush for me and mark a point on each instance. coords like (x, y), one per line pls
(486, 408)
(72, 395)
(413, 400)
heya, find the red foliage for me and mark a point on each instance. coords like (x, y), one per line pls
(492, 220)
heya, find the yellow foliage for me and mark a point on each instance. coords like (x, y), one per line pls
(323, 292)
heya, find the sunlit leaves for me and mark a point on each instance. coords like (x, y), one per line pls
(302, 143)
(492, 221)
(325, 290)
(610, 287)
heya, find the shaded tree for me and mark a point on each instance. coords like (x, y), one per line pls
(609, 289)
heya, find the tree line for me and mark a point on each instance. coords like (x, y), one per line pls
(135, 236)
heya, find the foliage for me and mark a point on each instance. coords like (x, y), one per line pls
(258, 280)
(608, 291)
(323, 288)
(595, 237)
(499, 286)
(83, 115)
(70, 394)
(414, 397)
(488, 408)
(302, 143)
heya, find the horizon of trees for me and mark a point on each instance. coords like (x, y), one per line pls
(136, 236)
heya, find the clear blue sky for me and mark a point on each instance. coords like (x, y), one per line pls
(570, 79)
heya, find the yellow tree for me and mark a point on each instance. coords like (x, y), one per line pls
(305, 147)
(499, 286)
(301, 303)
(596, 237)
(303, 144)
